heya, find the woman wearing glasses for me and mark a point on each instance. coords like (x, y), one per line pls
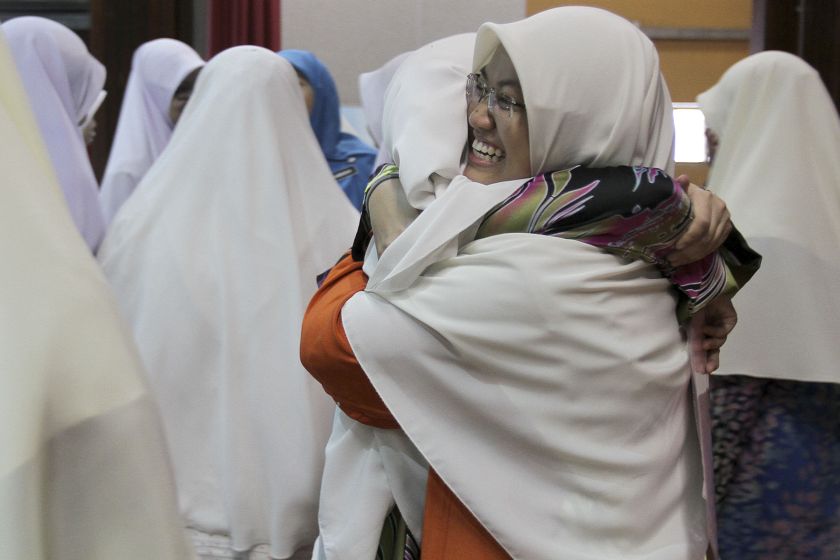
(544, 381)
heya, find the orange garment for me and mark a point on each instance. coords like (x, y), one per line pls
(450, 532)
(325, 351)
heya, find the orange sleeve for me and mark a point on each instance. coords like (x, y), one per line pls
(326, 353)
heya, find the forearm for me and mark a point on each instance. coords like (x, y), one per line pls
(390, 212)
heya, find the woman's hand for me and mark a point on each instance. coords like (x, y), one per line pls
(709, 228)
(720, 318)
(390, 213)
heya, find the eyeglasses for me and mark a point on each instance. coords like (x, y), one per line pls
(477, 89)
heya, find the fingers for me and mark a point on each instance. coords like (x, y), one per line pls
(713, 343)
(717, 330)
(722, 231)
(708, 230)
(712, 360)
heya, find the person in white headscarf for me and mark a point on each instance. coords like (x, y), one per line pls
(446, 363)
(63, 81)
(163, 73)
(84, 472)
(775, 135)
(213, 260)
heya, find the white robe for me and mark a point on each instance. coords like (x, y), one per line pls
(213, 260)
(777, 167)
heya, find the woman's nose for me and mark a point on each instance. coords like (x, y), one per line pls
(480, 116)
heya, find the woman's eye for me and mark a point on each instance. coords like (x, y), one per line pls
(505, 102)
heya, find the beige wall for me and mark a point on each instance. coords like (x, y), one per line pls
(355, 36)
(729, 14)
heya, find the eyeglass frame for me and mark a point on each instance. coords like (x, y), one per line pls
(476, 82)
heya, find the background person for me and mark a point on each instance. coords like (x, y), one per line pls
(776, 396)
(84, 471)
(63, 81)
(350, 159)
(163, 73)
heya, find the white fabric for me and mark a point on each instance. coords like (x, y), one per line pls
(84, 473)
(423, 121)
(595, 101)
(552, 396)
(778, 169)
(372, 87)
(144, 127)
(214, 260)
(62, 81)
(368, 470)
(548, 383)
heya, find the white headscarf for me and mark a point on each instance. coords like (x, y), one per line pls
(144, 128)
(83, 469)
(423, 120)
(610, 107)
(214, 260)
(778, 168)
(62, 81)
(372, 87)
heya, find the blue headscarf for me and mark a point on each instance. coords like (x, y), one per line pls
(350, 159)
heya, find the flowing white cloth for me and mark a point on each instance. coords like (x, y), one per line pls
(608, 465)
(84, 473)
(552, 396)
(778, 169)
(144, 128)
(62, 81)
(214, 260)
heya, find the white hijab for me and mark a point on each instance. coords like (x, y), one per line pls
(214, 260)
(84, 472)
(62, 81)
(372, 87)
(549, 383)
(778, 168)
(144, 128)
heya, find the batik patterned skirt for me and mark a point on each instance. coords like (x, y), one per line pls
(777, 468)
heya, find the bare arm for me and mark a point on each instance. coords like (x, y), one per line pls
(390, 213)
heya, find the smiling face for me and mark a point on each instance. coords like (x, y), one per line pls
(498, 147)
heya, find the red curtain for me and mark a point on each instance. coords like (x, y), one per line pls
(244, 22)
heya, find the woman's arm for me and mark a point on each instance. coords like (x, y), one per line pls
(390, 213)
(635, 212)
(325, 351)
